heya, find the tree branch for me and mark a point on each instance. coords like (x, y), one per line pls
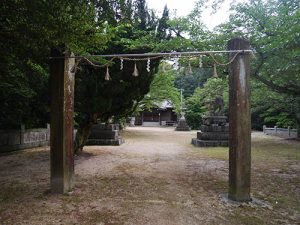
(272, 85)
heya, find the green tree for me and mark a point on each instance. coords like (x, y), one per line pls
(29, 29)
(271, 108)
(197, 103)
(273, 31)
(163, 26)
(119, 97)
(189, 82)
(162, 88)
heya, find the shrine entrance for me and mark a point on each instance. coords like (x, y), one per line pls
(62, 72)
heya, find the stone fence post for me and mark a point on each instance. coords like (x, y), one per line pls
(264, 129)
(275, 129)
(22, 131)
(48, 132)
(289, 130)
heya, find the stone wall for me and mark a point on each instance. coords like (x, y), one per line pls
(11, 140)
(102, 134)
(281, 132)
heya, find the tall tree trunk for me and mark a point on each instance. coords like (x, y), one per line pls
(83, 132)
(82, 135)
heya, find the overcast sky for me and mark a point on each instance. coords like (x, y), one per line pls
(183, 7)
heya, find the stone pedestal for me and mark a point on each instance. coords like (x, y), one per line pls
(182, 125)
(214, 132)
(132, 122)
(102, 134)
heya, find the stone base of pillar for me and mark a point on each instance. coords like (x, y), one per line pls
(111, 142)
(182, 125)
(132, 122)
(214, 132)
(102, 134)
(213, 143)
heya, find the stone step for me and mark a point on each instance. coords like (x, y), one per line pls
(182, 128)
(206, 143)
(182, 125)
(214, 128)
(151, 124)
(104, 134)
(109, 127)
(117, 141)
(208, 120)
(212, 135)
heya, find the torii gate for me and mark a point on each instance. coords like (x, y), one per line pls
(62, 77)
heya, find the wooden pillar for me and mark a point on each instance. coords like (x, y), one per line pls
(61, 133)
(239, 123)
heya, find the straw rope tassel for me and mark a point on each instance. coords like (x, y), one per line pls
(107, 76)
(215, 71)
(176, 63)
(135, 71)
(148, 65)
(121, 64)
(200, 62)
(190, 68)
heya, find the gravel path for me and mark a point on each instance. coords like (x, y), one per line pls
(155, 176)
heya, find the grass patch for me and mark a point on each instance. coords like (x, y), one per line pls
(13, 191)
(263, 149)
(273, 147)
(241, 218)
(217, 153)
(280, 192)
(275, 151)
(105, 216)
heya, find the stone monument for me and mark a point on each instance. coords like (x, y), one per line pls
(215, 129)
(132, 122)
(105, 134)
(182, 124)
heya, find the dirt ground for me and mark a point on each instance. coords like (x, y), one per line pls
(156, 177)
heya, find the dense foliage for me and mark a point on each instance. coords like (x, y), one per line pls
(162, 89)
(30, 29)
(197, 104)
(272, 27)
(134, 31)
(273, 31)
(189, 82)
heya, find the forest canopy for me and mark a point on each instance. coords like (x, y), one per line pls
(30, 29)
